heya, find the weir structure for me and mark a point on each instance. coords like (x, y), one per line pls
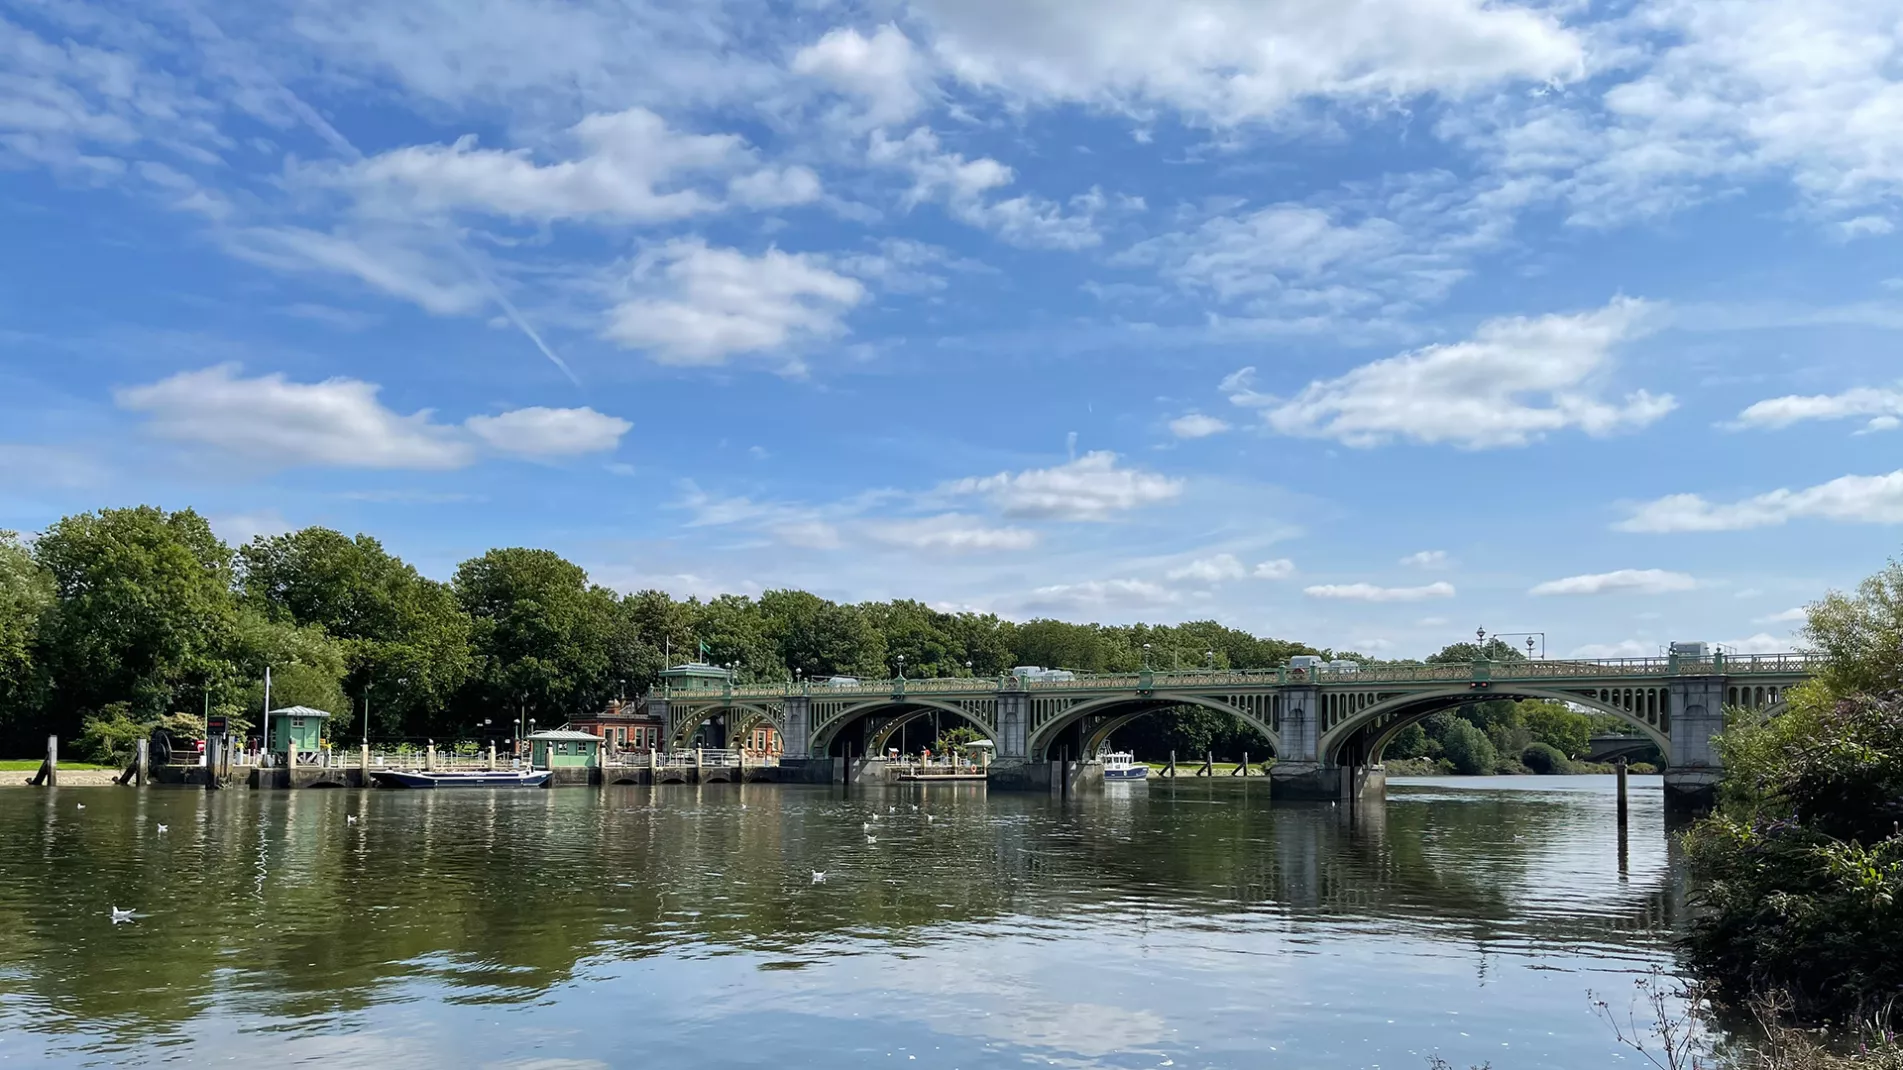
(1328, 728)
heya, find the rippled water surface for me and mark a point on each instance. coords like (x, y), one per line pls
(1194, 926)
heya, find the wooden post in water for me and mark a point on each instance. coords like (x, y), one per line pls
(492, 756)
(1209, 764)
(143, 763)
(697, 761)
(1171, 771)
(1243, 769)
(1623, 818)
(51, 768)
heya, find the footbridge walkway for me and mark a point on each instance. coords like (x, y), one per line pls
(1328, 728)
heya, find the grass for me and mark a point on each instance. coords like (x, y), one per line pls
(1188, 770)
(32, 765)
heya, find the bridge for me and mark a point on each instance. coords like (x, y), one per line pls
(1327, 728)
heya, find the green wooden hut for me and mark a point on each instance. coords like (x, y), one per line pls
(297, 726)
(564, 749)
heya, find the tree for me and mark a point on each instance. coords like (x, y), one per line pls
(144, 611)
(540, 636)
(1469, 749)
(1861, 635)
(1409, 742)
(405, 639)
(823, 638)
(26, 593)
(1556, 725)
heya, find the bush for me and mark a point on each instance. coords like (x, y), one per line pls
(1802, 874)
(110, 736)
(1409, 742)
(1642, 769)
(1469, 749)
(1545, 759)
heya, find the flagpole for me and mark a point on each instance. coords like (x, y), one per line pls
(265, 730)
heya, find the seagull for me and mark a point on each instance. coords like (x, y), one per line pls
(872, 839)
(865, 826)
(892, 810)
(929, 818)
(162, 828)
(819, 876)
(82, 806)
(915, 808)
(350, 819)
(120, 915)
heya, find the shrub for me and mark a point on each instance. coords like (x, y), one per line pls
(1642, 769)
(1469, 749)
(1409, 742)
(110, 736)
(1545, 759)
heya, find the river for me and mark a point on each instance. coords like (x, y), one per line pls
(1194, 926)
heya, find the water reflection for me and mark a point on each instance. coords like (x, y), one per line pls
(1191, 922)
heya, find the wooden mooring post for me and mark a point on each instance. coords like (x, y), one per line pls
(49, 769)
(1243, 769)
(142, 764)
(1170, 770)
(1624, 819)
(1209, 764)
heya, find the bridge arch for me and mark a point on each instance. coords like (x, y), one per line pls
(743, 714)
(1363, 734)
(905, 708)
(1117, 712)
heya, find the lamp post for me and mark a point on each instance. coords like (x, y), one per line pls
(368, 679)
(901, 666)
(1146, 656)
(1210, 656)
(967, 666)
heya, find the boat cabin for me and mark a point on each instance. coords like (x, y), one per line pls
(564, 748)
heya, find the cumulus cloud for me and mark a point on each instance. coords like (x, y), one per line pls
(336, 422)
(1368, 592)
(1880, 405)
(544, 432)
(1427, 559)
(1516, 380)
(341, 423)
(1794, 615)
(1092, 487)
(715, 303)
(1197, 425)
(1850, 499)
(952, 533)
(1215, 569)
(1280, 568)
(1100, 595)
(630, 168)
(884, 71)
(965, 188)
(1226, 61)
(1635, 580)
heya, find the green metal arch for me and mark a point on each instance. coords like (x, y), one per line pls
(1332, 740)
(701, 714)
(1040, 740)
(825, 734)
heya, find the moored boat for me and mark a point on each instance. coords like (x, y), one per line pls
(1122, 765)
(496, 778)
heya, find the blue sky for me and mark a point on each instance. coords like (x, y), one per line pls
(1364, 323)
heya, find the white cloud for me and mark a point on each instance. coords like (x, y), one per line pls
(1638, 580)
(718, 303)
(270, 419)
(340, 423)
(1882, 404)
(1092, 487)
(1853, 499)
(1368, 592)
(399, 262)
(1213, 569)
(952, 533)
(884, 71)
(964, 186)
(544, 432)
(1514, 381)
(626, 160)
(1427, 559)
(1228, 61)
(1099, 595)
(1761, 643)
(1279, 569)
(809, 534)
(240, 528)
(1197, 425)
(1795, 614)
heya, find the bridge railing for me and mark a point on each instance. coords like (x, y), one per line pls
(1556, 669)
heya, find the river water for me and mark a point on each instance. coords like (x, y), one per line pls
(1149, 926)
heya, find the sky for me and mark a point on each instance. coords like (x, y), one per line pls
(1365, 323)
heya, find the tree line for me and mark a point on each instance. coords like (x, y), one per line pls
(115, 620)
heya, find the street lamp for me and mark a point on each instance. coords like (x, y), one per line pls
(1211, 656)
(901, 666)
(1146, 656)
(967, 666)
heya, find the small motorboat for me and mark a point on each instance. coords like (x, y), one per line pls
(480, 778)
(1122, 765)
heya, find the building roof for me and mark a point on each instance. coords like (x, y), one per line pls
(301, 711)
(696, 668)
(566, 735)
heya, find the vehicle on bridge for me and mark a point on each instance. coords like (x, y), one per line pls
(1039, 672)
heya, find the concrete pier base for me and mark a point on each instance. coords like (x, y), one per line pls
(1692, 791)
(1313, 782)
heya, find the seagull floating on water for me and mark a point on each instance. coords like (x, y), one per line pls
(819, 876)
(892, 810)
(915, 808)
(82, 806)
(865, 826)
(872, 839)
(929, 818)
(350, 819)
(120, 915)
(163, 828)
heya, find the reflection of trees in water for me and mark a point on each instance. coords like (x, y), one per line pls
(271, 904)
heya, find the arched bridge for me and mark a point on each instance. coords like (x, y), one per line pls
(1325, 726)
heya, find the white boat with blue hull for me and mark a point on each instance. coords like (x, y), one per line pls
(493, 778)
(1122, 765)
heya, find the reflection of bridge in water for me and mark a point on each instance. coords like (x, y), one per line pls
(1328, 729)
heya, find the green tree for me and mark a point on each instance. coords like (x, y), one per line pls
(823, 638)
(1409, 742)
(1861, 635)
(1469, 749)
(144, 612)
(541, 636)
(733, 630)
(26, 594)
(1556, 725)
(405, 638)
